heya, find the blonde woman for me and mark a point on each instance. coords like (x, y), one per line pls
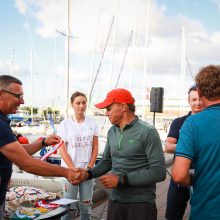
(81, 137)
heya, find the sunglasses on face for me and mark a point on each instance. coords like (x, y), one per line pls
(18, 96)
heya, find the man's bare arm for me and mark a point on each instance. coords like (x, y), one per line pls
(18, 155)
(37, 145)
(180, 171)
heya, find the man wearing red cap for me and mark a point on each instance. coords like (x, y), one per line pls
(133, 155)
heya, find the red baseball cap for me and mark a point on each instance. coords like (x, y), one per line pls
(116, 96)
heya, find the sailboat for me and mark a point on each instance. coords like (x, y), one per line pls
(54, 184)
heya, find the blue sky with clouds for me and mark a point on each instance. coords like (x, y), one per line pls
(205, 11)
(28, 25)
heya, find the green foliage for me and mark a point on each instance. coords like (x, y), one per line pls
(45, 112)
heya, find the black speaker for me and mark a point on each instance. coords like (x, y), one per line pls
(156, 99)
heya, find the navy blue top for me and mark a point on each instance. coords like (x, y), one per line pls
(176, 126)
(6, 137)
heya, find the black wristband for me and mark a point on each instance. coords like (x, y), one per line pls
(43, 142)
(90, 176)
(123, 181)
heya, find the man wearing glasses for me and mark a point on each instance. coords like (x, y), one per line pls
(18, 96)
(178, 196)
(11, 151)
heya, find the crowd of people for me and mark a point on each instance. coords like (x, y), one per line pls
(133, 159)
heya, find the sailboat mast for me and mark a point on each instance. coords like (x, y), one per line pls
(126, 51)
(12, 61)
(31, 70)
(67, 59)
(100, 63)
(114, 41)
(146, 58)
(183, 71)
(93, 59)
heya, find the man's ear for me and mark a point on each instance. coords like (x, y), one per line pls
(124, 107)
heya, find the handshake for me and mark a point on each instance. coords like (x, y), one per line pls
(77, 175)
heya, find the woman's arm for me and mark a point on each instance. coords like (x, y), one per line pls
(66, 157)
(94, 152)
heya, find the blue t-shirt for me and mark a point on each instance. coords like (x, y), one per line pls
(6, 137)
(200, 142)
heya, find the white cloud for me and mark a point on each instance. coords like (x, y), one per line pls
(90, 22)
(5, 67)
(217, 2)
(20, 4)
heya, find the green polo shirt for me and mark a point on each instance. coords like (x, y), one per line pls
(134, 151)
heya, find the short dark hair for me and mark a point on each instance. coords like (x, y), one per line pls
(6, 80)
(192, 88)
(131, 107)
(208, 82)
(76, 94)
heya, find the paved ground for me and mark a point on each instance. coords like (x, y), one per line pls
(101, 211)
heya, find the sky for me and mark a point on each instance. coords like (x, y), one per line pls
(134, 44)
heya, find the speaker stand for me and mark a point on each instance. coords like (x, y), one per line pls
(154, 119)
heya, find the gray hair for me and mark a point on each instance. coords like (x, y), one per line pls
(6, 80)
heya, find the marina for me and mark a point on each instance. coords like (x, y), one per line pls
(54, 184)
(153, 48)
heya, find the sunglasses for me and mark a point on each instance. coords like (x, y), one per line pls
(18, 96)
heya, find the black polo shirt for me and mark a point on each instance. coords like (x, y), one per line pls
(6, 137)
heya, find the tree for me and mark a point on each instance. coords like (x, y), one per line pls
(26, 108)
(35, 110)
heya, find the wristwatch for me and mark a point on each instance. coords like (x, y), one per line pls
(43, 142)
(89, 174)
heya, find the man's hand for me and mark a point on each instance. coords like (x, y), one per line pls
(82, 176)
(52, 139)
(109, 180)
(85, 174)
(74, 175)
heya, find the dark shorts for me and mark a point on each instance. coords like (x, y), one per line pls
(131, 211)
(177, 199)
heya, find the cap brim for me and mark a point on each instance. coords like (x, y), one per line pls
(103, 104)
